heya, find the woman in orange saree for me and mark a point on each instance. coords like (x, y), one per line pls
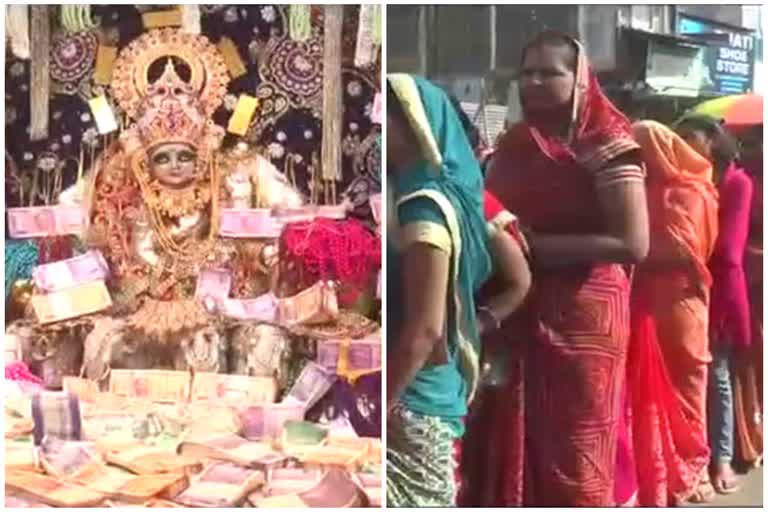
(669, 349)
(572, 174)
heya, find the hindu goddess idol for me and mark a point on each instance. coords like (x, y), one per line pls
(155, 199)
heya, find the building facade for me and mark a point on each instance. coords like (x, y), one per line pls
(647, 56)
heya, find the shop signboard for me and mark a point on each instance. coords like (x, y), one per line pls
(729, 58)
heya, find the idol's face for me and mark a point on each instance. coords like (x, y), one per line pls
(174, 165)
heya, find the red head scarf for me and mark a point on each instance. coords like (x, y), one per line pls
(597, 132)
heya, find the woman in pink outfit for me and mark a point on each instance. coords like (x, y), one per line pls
(729, 308)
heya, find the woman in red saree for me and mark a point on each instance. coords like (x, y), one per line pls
(572, 173)
(502, 364)
(669, 347)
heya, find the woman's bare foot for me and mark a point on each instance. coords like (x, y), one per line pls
(704, 492)
(724, 478)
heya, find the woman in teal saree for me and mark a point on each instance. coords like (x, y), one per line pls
(437, 260)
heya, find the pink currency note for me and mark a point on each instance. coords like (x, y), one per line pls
(250, 223)
(335, 212)
(376, 110)
(82, 269)
(275, 416)
(214, 283)
(364, 355)
(328, 355)
(45, 221)
(262, 308)
(313, 382)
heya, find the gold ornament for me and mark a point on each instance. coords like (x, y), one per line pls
(208, 73)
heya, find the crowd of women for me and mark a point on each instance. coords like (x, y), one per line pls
(574, 317)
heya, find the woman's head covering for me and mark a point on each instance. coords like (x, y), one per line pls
(672, 167)
(450, 175)
(598, 130)
(725, 148)
(668, 157)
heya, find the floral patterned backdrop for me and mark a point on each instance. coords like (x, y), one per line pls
(284, 74)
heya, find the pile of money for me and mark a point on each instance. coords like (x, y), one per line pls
(51, 491)
(250, 223)
(71, 303)
(46, 221)
(57, 276)
(315, 305)
(220, 485)
(291, 480)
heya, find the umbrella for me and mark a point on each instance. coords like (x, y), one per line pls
(738, 111)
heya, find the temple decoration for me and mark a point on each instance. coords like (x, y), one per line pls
(241, 118)
(332, 100)
(190, 18)
(182, 290)
(300, 22)
(17, 29)
(40, 81)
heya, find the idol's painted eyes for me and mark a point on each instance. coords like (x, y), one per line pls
(187, 156)
(161, 158)
(183, 156)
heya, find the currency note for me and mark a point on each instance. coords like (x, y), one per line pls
(45, 221)
(295, 214)
(376, 110)
(152, 385)
(267, 420)
(360, 355)
(313, 382)
(365, 354)
(233, 388)
(315, 305)
(85, 268)
(334, 212)
(71, 303)
(262, 308)
(249, 223)
(214, 283)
